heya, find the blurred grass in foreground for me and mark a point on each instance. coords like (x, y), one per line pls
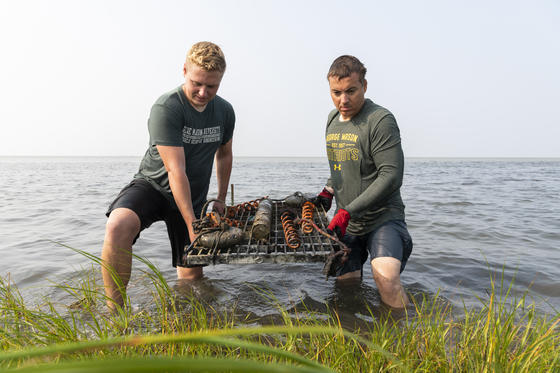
(180, 334)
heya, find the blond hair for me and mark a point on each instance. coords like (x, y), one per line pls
(207, 56)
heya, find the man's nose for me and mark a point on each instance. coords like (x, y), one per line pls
(344, 98)
(203, 91)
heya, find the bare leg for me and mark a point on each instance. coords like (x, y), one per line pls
(122, 227)
(386, 273)
(193, 273)
(350, 275)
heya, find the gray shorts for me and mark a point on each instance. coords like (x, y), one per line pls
(151, 206)
(390, 239)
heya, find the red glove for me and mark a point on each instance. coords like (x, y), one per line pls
(339, 223)
(324, 199)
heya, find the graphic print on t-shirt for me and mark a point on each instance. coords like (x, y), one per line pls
(341, 147)
(202, 135)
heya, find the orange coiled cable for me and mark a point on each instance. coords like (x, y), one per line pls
(307, 213)
(290, 233)
(233, 211)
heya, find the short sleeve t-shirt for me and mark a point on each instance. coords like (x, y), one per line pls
(174, 122)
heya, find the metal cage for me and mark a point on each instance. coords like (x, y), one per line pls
(314, 246)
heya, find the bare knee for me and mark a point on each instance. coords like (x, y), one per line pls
(387, 283)
(122, 226)
(386, 267)
(386, 273)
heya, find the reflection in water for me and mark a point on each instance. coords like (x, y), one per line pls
(203, 290)
(354, 303)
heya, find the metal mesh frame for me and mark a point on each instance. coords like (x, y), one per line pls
(314, 246)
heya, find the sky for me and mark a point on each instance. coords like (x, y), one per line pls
(463, 78)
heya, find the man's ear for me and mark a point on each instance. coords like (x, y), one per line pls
(365, 84)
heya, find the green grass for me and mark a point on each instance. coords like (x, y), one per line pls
(181, 333)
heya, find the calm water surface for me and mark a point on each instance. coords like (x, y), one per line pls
(469, 219)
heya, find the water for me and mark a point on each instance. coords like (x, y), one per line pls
(469, 219)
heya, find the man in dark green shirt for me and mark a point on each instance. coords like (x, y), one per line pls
(189, 127)
(366, 162)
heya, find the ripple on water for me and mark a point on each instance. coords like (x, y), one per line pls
(471, 220)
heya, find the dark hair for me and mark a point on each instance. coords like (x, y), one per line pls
(345, 65)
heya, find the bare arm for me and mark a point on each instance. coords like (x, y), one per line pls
(224, 161)
(173, 158)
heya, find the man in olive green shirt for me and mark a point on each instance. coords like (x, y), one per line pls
(366, 163)
(190, 127)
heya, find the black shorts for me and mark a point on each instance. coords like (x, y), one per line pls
(151, 206)
(390, 239)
